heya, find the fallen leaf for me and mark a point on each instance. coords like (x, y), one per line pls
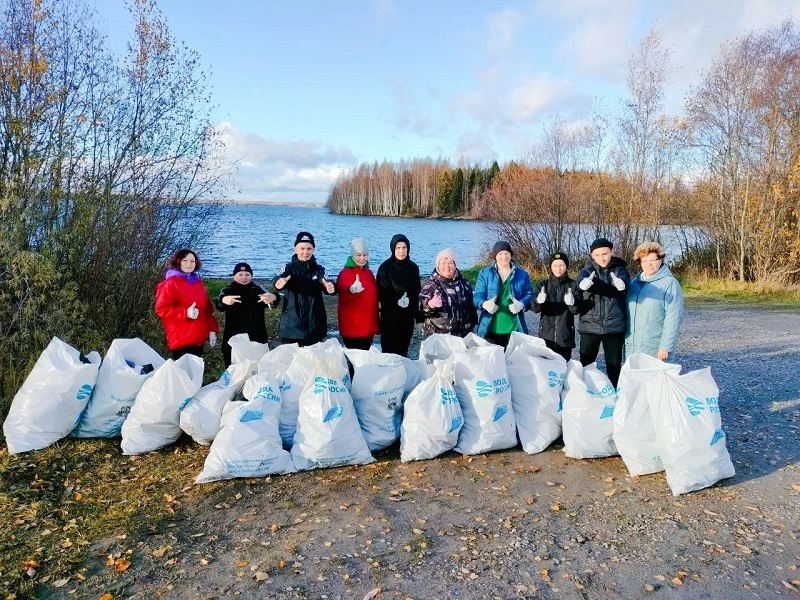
(281, 564)
(66, 543)
(372, 594)
(161, 551)
(555, 507)
(78, 496)
(121, 565)
(106, 596)
(529, 500)
(260, 576)
(60, 582)
(796, 488)
(243, 563)
(416, 531)
(110, 560)
(545, 574)
(677, 581)
(609, 493)
(274, 528)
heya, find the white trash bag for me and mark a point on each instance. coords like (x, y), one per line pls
(688, 424)
(378, 386)
(587, 402)
(200, 416)
(55, 393)
(125, 367)
(328, 433)
(440, 346)
(242, 349)
(154, 420)
(484, 392)
(537, 376)
(634, 434)
(432, 417)
(248, 444)
(473, 340)
(415, 372)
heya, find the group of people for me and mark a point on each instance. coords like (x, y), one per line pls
(623, 315)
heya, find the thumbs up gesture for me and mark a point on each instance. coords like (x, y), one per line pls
(435, 302)
(587, 282)
(618, 283)
(569, 299)
(403, 302)
(541, 297)
(329, 287)
(357, 287)
(192, 312)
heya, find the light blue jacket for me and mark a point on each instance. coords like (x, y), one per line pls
(655, 314)
(488, 286)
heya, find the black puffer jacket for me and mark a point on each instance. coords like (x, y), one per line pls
(557, 320)
(303, 314)
(602, 306)
(246, 316)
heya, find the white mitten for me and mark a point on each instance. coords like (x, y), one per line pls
(403, 302)
(490, 305)
(587, 282)
(618, 283)
(569, 299)
(516, 306)
(357, 287)
(192, 312)
(212, 339)
(541, 298)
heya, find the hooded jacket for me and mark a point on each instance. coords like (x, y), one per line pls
(655, 313)
(303, 314)
(488, 286)
(358, 313)
(395, 278)
(174, 295)
(602, 306)
(557, 320)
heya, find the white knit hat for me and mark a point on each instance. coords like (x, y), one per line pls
(445, 254)
(358, 246)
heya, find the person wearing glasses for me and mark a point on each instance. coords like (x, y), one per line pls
(655, 306)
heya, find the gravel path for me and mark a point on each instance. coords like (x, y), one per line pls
(513, 525)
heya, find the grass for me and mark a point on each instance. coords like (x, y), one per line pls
(705, 291)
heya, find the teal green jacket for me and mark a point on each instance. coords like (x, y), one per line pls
(655, 314)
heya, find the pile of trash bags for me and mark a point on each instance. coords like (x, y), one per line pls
(292, 409)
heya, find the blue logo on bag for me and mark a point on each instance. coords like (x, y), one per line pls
(608, 412)
(607, 391)
(555, 379)
(225, 378)
(695, 406)
(252, 415)
(334, 412)
(84, 393)
(346, 378)
(718, 435)
(267, 393)
(285, 385)
(499, 412)
(483, 389)
(320, 385)
(456, 423)
(184, 403)
(560, 404)
(448, 396)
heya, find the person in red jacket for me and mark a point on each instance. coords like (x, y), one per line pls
(358, 299)
(184, 308)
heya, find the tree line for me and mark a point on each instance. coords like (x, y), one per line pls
(728, 165)
(103, 161)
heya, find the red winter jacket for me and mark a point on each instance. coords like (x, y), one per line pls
(358, 313)
(173, 296)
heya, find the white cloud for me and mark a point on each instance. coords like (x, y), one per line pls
(297, 170)
(530, 99)
(503, 28)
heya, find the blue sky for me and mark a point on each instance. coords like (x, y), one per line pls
(307, 89)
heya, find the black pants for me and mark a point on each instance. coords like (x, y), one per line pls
(564, 351)
(301, 343)
(178, 352)
(396, 334)
(613, 343)
(357, 343)
(501, 339)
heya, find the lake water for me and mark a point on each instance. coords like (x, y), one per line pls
(263, 236)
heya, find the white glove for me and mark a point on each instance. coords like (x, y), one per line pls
(192, 312)
(356, 288)
(490, 305)
(515, 306)
(403, 302)
(569, 299)
(587, 282)
(618, 283)
(542, 297)
(212, 339)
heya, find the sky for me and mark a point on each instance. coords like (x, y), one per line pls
(305, 90)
